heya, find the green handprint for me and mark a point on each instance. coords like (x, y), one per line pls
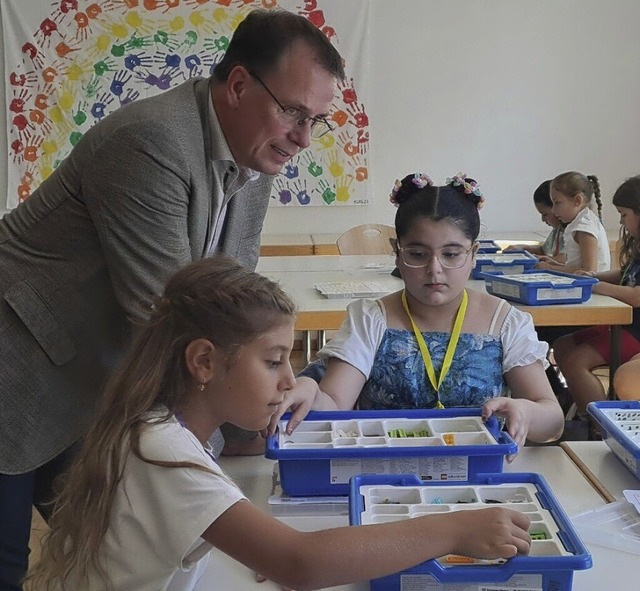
(328, 194)
(161, 37)
(80, 117)
(312, 166)
(117, 50)
(91, 89)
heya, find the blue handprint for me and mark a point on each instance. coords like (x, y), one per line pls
(291, 171)
(97, 109)
(118, 82)
(302, 195)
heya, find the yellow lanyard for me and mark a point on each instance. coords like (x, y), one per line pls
(451, 347)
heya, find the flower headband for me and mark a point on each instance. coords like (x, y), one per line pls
(420, 180)
(469, 186)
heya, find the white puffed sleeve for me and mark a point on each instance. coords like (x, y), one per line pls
(359, 336)
(520, 342)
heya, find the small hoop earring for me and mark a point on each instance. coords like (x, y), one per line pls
(202, 386)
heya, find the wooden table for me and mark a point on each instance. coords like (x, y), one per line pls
(574, 492)
(286, 245)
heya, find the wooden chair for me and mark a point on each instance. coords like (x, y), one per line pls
(364, 239)
(367, 239)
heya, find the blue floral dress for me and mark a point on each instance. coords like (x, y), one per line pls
(398, 377)
(395, 374)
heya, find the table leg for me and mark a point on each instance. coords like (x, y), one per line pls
(322, 339)
(616, 336)
(306, 346)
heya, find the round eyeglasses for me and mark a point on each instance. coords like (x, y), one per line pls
(450, 258)
(291, 116)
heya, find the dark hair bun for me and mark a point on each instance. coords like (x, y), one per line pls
(468, 187)
(404, 189)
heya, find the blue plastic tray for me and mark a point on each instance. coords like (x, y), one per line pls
(619, 423)
(321, 467)
(508, 263)
(488, 246)
(553, 560)
(539, 287)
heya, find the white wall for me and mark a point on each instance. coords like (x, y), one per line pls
(509, 91)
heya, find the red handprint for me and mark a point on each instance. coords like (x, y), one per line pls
(17, 104)
(360, 118)
(68, 5)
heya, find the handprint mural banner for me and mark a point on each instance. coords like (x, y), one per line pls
(69, 63)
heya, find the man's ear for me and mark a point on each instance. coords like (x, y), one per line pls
(236, 85)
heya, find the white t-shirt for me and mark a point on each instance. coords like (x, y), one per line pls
(158, 515)
(360, 335)
(587, 221)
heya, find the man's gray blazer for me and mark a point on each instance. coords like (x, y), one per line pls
(87, 252)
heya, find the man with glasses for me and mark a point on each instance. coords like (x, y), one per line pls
(154, 185)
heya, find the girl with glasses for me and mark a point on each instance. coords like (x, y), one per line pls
(435, 343)
(144, 503)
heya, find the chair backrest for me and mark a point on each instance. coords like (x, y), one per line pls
(367, 239)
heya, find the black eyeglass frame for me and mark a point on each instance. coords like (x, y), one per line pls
(296, 116)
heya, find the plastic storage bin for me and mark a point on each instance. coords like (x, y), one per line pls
(328, 448)
(556, 549)
(516, 261)
(619, 423)
(488, 246)
(536, 288)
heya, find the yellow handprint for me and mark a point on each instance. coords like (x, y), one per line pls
(343, 184)
(335, 167)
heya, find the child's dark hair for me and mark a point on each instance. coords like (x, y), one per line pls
(571, 183)
(628, 195)
(542, 195)
(456, 202)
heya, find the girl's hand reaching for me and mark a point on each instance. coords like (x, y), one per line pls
(491, 533)
(516, 412)
(299, 401)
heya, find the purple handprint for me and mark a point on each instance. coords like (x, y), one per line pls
(284, 196)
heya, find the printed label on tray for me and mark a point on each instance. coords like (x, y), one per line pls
(427, 468)
(506, 289)
(574, 293)
(428, 583)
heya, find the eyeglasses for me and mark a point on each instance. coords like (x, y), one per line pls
(292, 116)
(450, 258)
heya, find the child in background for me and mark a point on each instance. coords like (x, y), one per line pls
(578, 353)
(626, 381)
(553, 247)
(435, 344)
(585, 239)
(145, 502)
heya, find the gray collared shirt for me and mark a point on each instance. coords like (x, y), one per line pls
(229, 178)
